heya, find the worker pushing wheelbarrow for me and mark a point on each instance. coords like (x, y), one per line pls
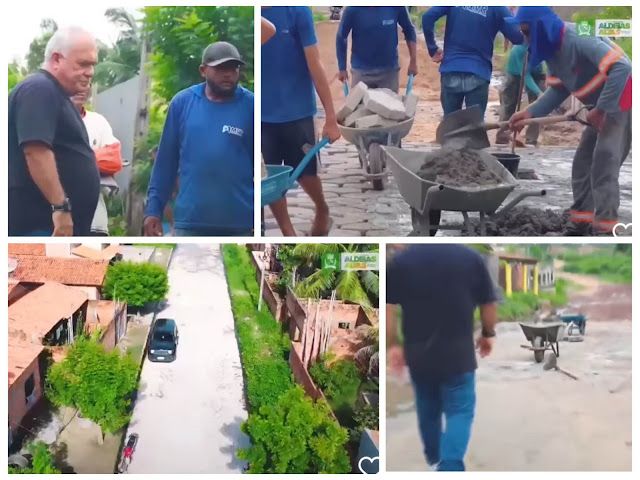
(372, 118)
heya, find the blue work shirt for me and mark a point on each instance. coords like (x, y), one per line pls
(439, 287)
(374, 37)
(468, 37)
(288, 93)
(209, 146)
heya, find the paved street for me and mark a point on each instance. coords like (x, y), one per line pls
(358, 210)
(188, 413)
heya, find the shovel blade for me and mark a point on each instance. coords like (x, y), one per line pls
(463, 127)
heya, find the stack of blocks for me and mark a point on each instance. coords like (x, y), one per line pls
(376, 107)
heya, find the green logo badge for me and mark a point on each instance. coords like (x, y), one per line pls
(330, 261)
(584, 28)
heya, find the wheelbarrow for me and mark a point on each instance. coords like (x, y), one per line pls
(281, 178)
(369, 140)
(424, 196)
(543, 337)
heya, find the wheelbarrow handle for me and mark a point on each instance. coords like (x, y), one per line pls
(306, 159)
(409, 84)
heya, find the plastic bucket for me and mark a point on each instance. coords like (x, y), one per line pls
(510, 161)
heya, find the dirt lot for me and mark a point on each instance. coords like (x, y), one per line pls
(427, 87)
(528, 419)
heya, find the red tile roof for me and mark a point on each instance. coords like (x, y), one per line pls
(34, 315)
(68, 271)
(21, 355)
(27, 249)
(87, 251)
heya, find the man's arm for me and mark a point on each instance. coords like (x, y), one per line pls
(341, 38)
(41, 164)
(410, 37)
(489, 317)
(511, 31)
(551, 99)
(267, 30)
(392, 325)
(165, 167)
(429, 19)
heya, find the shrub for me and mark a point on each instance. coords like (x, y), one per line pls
(364, 417)
(41, 462)
(136, 283)
(340, 382)
(295, 435)
(610, 267)
(96, 382)
(263, 347)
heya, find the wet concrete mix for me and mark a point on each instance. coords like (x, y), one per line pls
(523, 222)
(457, 168)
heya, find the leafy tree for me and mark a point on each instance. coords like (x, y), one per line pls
(35, 57)
(15, 75)
(41, 462)
(179, 34)
(136, 283)
(295, 435)
(339, 381)
(96, 382)
(357, 287)
(122, 61)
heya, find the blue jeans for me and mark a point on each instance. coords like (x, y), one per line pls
(455, 400)
(213, 232)
(459, 88)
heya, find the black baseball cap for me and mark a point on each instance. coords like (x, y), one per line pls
(221, 52)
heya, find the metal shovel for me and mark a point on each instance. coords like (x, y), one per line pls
(468, 128)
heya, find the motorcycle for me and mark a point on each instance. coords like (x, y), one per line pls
(127, 453)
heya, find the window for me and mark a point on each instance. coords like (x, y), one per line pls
(29, 388)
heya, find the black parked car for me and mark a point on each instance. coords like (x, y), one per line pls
(163, 340)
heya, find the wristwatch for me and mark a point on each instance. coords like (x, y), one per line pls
(488, 333)
(63, 207)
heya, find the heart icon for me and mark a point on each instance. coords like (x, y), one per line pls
(622, 227)
(368, 464)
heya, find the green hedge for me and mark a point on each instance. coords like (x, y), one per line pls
(340, 382)
(136, 283)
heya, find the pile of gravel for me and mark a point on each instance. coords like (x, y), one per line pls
(523, 222)
(457, 168)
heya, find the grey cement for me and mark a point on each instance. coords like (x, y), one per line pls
(457, 168)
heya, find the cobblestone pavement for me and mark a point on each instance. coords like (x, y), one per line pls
(358, 210)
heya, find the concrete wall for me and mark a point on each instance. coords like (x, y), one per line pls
(18, 406)
(300, 373)
(109, 337)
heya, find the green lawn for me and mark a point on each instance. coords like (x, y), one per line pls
(614, 268)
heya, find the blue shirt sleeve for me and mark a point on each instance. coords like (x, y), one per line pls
(165, 167)
(511, 31)
(341, 38)
(485, 292)
(407, 27)
(304, 25)
(429, 20)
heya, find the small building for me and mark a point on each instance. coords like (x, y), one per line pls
(25, 381)
(518, 273)
(110, 318)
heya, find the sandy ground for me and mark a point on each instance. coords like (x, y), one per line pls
(427, 87)
(528, 419)
(188, 413)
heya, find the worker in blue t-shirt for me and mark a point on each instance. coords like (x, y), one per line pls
(207, 144)
(374, 45)
(291, 68)
(534, 85)
(467, 58)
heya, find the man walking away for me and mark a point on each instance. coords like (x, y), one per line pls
(467, 59)
(374, 45)
(439, 287)
(207, 142)
(53, 178)
(598, 73)
(534, 84)
(291, 68)
(108, 157)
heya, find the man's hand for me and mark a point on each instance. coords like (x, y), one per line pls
(437, 57)
(413, 68)
(516, 122)
(395, 359)
(62, 224)
(484, 345)
(596, 118)
(331, 130)
(343, 76)
(152, 227)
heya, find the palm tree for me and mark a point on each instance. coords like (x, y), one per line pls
(352, 286)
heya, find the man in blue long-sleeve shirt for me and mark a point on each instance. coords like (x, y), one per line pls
(374, 45)
(208, 142)
(467, 60)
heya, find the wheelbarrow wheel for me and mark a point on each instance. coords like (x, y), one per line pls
(538, 354)
(420, 227)
(376, 165)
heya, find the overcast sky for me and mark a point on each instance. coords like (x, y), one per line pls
(26, 16)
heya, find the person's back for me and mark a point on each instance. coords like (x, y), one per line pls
(439, 287)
